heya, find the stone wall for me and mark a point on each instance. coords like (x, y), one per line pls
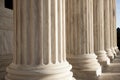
(6, 38)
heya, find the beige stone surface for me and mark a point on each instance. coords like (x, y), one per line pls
(5, 60)
(41, 46)
(40, 42)
(112, 27)
(98, 20)
(107, 30)
(79, 38)
(6, 18)
(6, 38)
(112, 72)
(1, 3)
(6, 30)
(6, 42)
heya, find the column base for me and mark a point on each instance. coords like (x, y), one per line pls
(117, 50)
(103, 58)
(114, 53)
(85, 65)
(110, 54)
(59, 71)
(86, 74)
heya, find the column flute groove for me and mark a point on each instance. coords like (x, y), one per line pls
(111, 27)
(40, 10)
(107, 30)
(49, 6)
(99, 33)
(115, 30)
(80, 46)
(40, 41)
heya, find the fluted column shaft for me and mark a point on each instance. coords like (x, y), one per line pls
(80, 46)
(112, 26)
(99, 32)
(40, 52)
(107, 29)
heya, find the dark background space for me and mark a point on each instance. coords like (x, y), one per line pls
(118, 38)
(9, 4)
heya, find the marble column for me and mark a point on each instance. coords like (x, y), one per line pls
(114, 26)
(98, 21)
(111, 27)
(40, 47)
(107, 30)
(80, 46)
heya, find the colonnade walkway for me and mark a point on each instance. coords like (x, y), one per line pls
(112, 72)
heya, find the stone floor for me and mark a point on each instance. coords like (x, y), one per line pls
(112, 72)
